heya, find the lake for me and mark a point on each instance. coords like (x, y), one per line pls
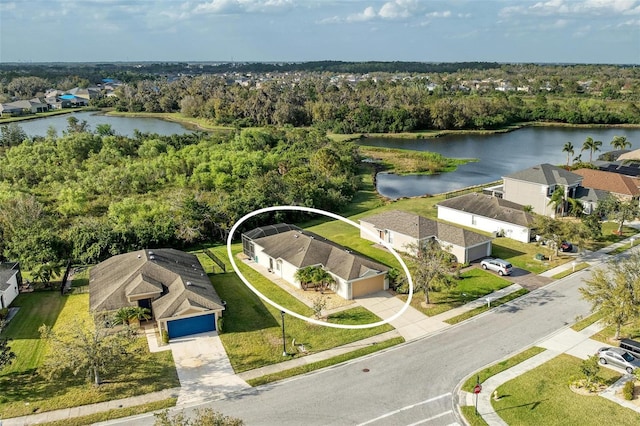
(121, 125)
(498, 154)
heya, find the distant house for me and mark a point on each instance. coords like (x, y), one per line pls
(401, 229)
(489, 214)
(170, 283)
(535, 186)
(284, 249)
(621, 186)
(31, 106)
(11, 110)
(10, 282)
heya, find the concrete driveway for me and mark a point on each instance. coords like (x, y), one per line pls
(203, 368)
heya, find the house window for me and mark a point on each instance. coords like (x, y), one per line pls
(473, 220)
(391, 237)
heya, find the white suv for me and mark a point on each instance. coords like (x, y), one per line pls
(502, 267)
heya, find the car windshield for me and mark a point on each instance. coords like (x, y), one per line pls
(508, 265)
(628, 357)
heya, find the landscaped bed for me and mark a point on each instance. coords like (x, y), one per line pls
(26, 392)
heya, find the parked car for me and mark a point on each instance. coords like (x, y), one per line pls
(566, 246)
(631, 346)
(502, 267)
(618, 357)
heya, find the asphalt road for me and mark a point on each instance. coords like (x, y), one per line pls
(416, 382)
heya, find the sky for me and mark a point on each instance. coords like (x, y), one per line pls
(509, 31)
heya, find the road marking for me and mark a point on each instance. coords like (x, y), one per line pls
(437, 416)
(408, 407)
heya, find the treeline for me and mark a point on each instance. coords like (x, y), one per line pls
(368, 106)
(87, 196)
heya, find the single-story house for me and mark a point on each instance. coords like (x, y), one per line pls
(489, 214)
(170, 283)
(401, 229)
(10, 282)
(590, 198)
(284, 252)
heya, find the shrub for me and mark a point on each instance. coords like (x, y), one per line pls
(627, 390)
(165, 337)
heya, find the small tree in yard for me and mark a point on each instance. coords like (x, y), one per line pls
(619, 210)
(92, 350)
(6, 355)
(590, 369)
(203, 417)
(319, 305)
(430, 262)
(615, 291)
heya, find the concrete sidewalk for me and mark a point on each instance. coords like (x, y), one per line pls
(575, 343)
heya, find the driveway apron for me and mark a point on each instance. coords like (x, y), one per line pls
(203, 368)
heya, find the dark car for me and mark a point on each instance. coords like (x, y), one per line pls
(566, 246)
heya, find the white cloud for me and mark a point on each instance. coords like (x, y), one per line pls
(399, 9)
(368, 14)
(225, 7)
(573, 7)
(445, 14)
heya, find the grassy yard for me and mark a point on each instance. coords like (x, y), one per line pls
(630, 330)
(485, 308)
(252, 329)
(22, 384)
(402, 161)
(542, 397)
(474, 283)
(578, 267)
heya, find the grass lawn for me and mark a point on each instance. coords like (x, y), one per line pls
(499, 367)
(402, 161)
(630, 330)
(587, 321)
(484, 308)
(324, 363)
(474, 283)
(116, 413)
(252, 329)
(608, 237)
(578, 267)
(542, 397)
(21, 383)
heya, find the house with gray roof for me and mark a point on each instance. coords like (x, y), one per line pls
(284, 251)
(489, 214)
(534, 187)
(10, 282)
(170, 283)
(402, 229)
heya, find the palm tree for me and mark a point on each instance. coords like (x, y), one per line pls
(575, 207)
(591, 146)
(568, 148)
(557, 199)
(620, 142)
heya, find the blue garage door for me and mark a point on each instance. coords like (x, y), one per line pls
(193, 325)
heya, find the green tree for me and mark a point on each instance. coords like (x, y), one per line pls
(93, 350)
(11, 135)
(620, 142)
(569, 149)
(430, 263)
(128, 314)
(6, 355)
(591, 146)
(590, 369)
(557, 200)
(203, 417)
(615, 291)
(619, 210)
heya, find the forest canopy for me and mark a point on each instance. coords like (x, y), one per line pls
(86, 196)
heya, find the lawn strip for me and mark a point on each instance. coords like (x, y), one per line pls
(501, 366)
(469, 413)
(117, 413)
(587, 321)
(484, 308)
(542, 397)
(324, 363)
(578, 267)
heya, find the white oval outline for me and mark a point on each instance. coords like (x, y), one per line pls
(295, 314)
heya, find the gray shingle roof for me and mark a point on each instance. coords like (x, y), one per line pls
(175, 276)
(302, 248)
(491, 207)
(419, 227)
(7, 270)
(547, 174)
(590, 194)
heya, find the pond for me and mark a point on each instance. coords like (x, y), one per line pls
(498, 155)
(121, 125)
